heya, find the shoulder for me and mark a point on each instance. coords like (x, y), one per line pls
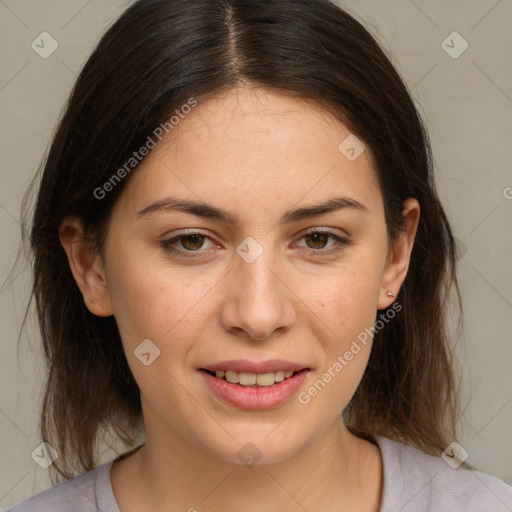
(89, 492)
(415, 481)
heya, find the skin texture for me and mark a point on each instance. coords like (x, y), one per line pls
(255, 154)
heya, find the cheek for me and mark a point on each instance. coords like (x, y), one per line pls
(346, 304)
(347, 316)
(169, 309)
(346, 301)
(158, 302)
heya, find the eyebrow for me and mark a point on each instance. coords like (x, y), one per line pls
(208, 211)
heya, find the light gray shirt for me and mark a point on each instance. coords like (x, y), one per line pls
(412, 482)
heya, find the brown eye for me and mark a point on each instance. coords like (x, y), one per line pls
(192, 242)
(319, 240)
(187, 244)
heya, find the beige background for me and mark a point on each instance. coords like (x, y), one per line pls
(467, 105)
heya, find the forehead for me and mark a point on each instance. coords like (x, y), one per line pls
(254, 148)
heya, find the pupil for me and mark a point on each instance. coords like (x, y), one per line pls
(319, 238)
(196, 241)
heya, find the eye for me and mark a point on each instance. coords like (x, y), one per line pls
(317, 241)
(190, 242)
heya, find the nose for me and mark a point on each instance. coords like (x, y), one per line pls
(259, 301)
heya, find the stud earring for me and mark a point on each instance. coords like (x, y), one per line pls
(390, 294)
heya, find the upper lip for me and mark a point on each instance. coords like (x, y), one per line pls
(244, 365)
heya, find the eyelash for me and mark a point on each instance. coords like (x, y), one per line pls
(168, 245)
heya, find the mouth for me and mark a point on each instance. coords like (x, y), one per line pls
(246, 379)
(254, 386)
(254, 391)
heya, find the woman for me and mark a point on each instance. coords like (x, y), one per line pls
(238, 242)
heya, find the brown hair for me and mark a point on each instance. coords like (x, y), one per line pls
(158, 55)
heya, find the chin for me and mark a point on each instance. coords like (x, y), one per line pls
(255, 447)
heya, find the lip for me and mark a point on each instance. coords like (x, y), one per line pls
(255, 398)
(244, 365)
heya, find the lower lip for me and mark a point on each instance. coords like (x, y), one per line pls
(255, 398)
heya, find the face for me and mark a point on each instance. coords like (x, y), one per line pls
(247, 282)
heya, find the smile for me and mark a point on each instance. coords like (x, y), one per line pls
(252, 379)
(254, 391)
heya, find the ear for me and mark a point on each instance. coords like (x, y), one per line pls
(86, 266)
(400, 254)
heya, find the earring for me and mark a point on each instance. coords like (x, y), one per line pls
(390, 294)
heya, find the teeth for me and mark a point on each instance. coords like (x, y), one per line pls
(247, 379)
(252, 379)
(279, 376)
(232, 376)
